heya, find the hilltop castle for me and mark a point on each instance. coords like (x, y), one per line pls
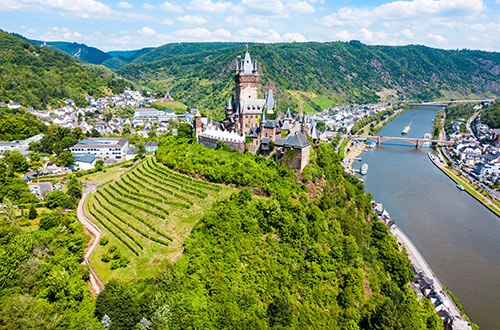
(256, 125)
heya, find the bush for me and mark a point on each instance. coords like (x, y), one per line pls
(104, 240)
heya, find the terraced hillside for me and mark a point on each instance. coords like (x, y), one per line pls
(146, 214)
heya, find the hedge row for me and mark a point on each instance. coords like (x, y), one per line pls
(126, 183)
(141, 176)
(131, 225)
(139, 199)
(114, 223)
(112, 231)
(196, 182)
(174, 185)
(165, 176)
(134, 205)
(108, 200)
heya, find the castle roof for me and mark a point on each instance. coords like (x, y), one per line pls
(247, 65)
(297, 140)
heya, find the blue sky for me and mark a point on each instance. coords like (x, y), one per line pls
(122, 25)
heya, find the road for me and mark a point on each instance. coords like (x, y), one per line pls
(96, 284)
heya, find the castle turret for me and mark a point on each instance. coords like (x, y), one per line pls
(246, 79)
(198, 126)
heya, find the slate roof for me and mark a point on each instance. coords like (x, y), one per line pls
(84, 158)
(298, 140)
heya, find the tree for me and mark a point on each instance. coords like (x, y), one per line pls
(184, 130)
(16, 162)
(33, 213)
(36, 162)
(65, 159)
(280, 311)
(321, 126)
(74, 188)
(141, 150)
(57, 199)
(10, 212)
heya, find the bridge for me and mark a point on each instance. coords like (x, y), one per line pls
(418, 142)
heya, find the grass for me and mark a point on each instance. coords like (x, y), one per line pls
(108, 173)
(152, 237)
(177, 107)
(462, 181)
(342, 148)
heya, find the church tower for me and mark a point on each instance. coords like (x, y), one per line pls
(246, 79)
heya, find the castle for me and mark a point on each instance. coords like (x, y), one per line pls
(255, 124)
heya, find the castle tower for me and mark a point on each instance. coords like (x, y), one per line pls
(198, 126)
(246, 79)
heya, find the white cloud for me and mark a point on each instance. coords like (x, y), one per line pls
(124, 5)
(83, 7)
(61, 34)
(343, 35)
(407, 33)
(209, 6)
(301, 7)
(268, 6)
(222, 33)
(254, 34)
(193, 34)
(403, 10)
(233, 20)
(148, 6)
(147, 31)
(171, 7)
(436, 38)
(192, 20)
(168, 21)
(294, 36)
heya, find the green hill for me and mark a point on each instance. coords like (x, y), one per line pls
(319, 75)
(183, 48)
(78, 51)
(287, 251)
(39, 77)
(130, 54)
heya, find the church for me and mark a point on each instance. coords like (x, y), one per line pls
(255, 124)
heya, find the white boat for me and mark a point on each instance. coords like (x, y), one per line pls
(460, 187)
(364, 169)
(406, 130)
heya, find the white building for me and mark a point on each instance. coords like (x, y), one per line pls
(102, 147)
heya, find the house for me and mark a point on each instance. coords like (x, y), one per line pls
(13, 105)
(115, 148)
(151, 146)
(85, 161)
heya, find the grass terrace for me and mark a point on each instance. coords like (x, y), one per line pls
(146, 213)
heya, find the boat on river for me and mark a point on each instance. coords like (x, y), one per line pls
(406, 130)
(364, 169)
(460, 187)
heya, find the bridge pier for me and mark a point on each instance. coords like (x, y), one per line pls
(417, 144)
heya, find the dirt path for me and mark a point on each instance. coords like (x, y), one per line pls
(95, 282)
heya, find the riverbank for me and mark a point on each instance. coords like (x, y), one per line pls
(351, 157)
(488, 203)
(426, 283)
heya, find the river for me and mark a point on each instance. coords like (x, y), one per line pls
(438, 218)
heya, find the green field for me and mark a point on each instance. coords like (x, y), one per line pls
(147, 213)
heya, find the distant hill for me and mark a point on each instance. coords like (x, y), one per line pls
(130, 54)
(319, 75)
(183, 48)
(39, 77)
(77, 51)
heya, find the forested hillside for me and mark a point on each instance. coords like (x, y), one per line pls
(285, 252)
(319, 75)
(39, 77)
(78, 51)
(491, 116)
